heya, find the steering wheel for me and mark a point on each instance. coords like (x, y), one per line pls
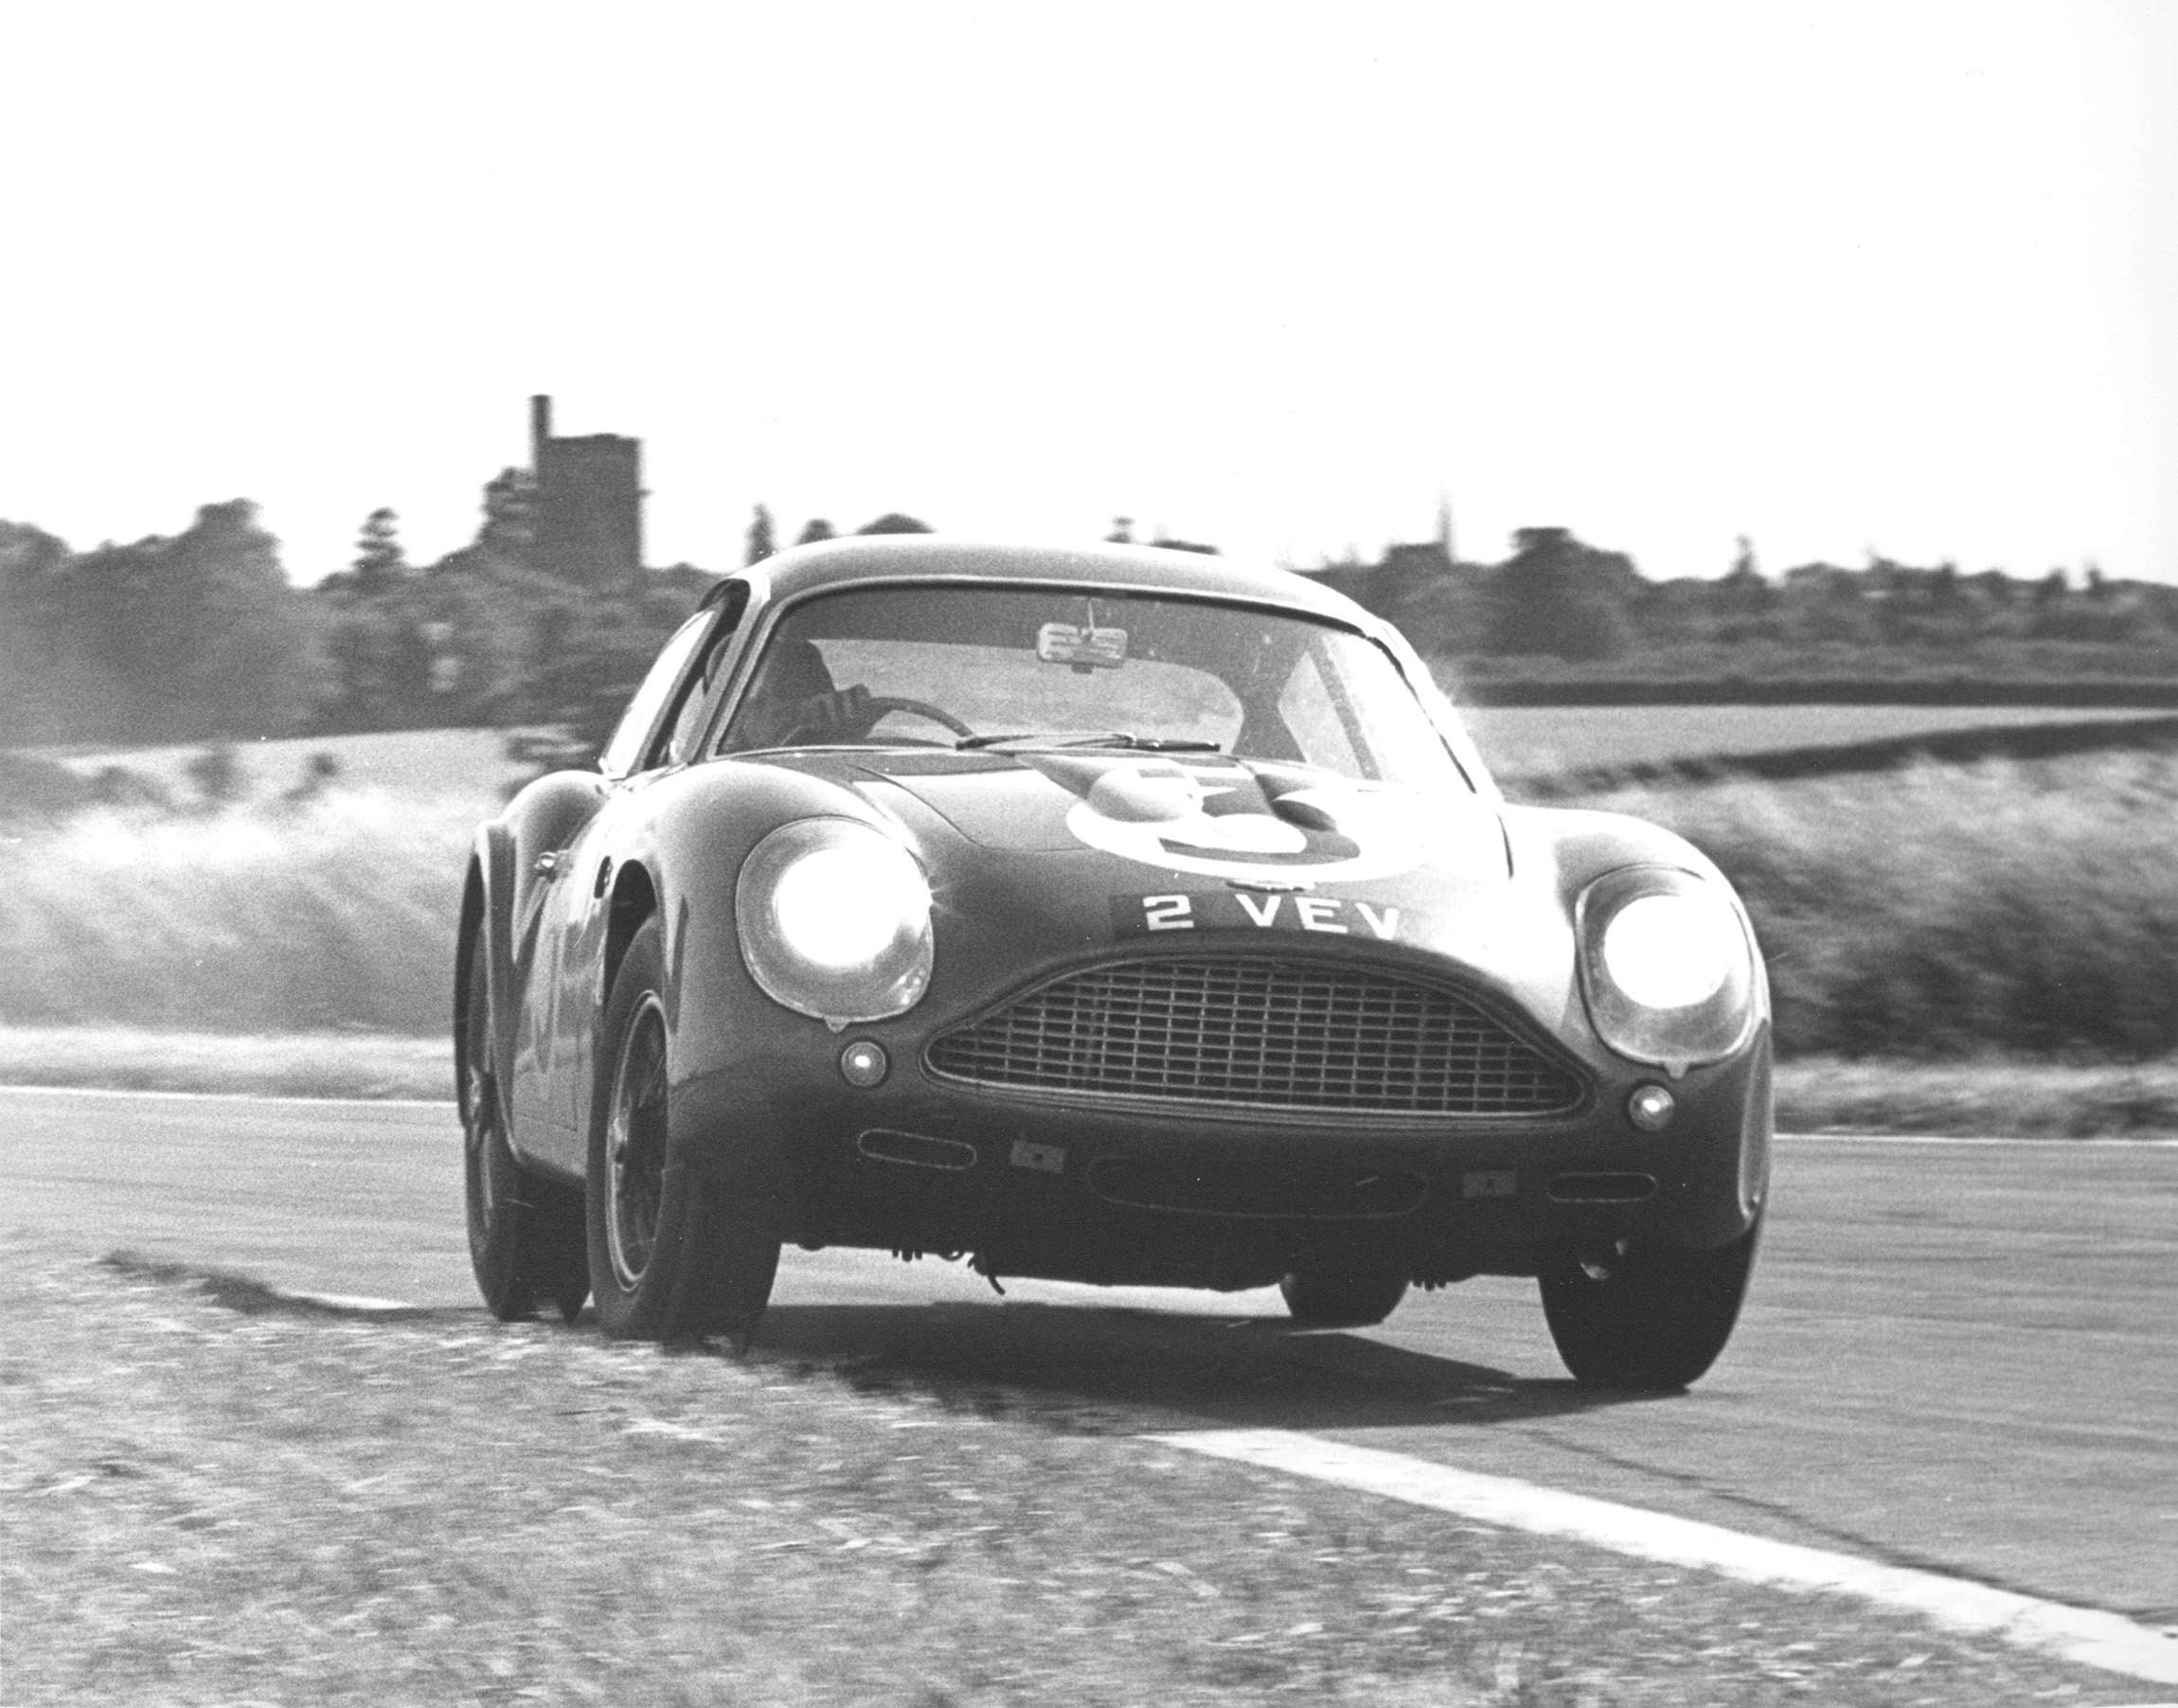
(881, 706)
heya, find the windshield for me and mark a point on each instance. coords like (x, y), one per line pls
(989, 668)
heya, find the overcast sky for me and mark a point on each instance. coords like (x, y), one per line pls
(1839, 277)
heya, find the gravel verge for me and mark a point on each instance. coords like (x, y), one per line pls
(219, 1495)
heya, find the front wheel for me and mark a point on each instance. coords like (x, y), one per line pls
(1342, 1298)
(1651, 1321)
(675, 1253)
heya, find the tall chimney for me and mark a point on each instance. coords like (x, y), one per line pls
(540, 428)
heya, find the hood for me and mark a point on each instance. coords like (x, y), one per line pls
(1196, 816)
(1040, 857)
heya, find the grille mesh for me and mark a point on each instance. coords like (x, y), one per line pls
(1286, 1034)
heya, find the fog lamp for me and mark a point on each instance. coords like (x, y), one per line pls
(1651, 1107)
(863, 1063)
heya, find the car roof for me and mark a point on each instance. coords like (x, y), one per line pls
(926, 557)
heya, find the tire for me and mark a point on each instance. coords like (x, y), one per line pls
(675, 1253)
(524, 1232)
(1342, 1298)
(1647, 1321)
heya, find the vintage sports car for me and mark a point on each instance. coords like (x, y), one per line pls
(1112, 916)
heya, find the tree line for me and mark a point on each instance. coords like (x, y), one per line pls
(200, 638)
(1558, 610)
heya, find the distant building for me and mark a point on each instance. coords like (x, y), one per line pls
(586, 508)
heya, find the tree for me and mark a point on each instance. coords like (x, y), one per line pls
(892, 522)
(1557, 595)
(380, 563)
(1743, 603)
(1826, 604)
(510, 527)
(593, 656)
(816, 529)
(379, 663)
(760, 546)
(190, 638)
(32, 652)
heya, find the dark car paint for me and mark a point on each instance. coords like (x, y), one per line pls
(562, 877)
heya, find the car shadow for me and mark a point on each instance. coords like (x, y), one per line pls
(1121, 1370)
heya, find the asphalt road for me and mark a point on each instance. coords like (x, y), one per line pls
(1958, 1356)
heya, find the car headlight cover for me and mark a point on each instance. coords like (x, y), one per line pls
(842, 906)
(1667, 967)
(834, 920)
(1670, 952)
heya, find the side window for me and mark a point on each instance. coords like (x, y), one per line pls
(681, 733)
(682, 744)
(625, 750)
(686, 732)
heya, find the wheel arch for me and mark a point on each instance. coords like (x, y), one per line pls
(484, 889)
(464, 950)
(635, 899)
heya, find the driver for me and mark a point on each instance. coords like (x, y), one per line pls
(794, 702)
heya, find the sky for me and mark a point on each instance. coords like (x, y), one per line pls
(1842, 277)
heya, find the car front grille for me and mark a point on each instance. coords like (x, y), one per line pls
(1284, 1034)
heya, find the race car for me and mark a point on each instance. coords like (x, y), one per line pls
(1109, 914)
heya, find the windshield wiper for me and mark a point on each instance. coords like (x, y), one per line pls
(1157, 744)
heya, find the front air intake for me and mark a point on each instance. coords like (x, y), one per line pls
(1259, 1032)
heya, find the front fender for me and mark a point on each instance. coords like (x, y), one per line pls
(676, 849)
(485, 908)
(505, 880)
(700, 827)
(1578, 846)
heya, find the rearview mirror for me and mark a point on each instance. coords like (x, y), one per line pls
(1085, 648)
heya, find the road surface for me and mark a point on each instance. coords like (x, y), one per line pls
(1956, 1356)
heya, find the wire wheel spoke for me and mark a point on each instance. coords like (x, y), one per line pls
(636, 1156)
(476, 1135)
(479, 1101)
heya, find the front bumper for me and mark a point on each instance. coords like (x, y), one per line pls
(1180, 1194)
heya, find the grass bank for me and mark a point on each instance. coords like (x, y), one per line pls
(333, 914)
(1943, 914)
(1954, 912)
(217, 1498)
(293, 1064)
(1997, 1099)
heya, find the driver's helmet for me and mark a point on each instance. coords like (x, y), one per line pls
(786, 697)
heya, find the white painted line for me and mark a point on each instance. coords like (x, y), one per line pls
(2084, 1635)
(1931, 1138)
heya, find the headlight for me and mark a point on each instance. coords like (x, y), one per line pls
(834, 920)
(1667, 967)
